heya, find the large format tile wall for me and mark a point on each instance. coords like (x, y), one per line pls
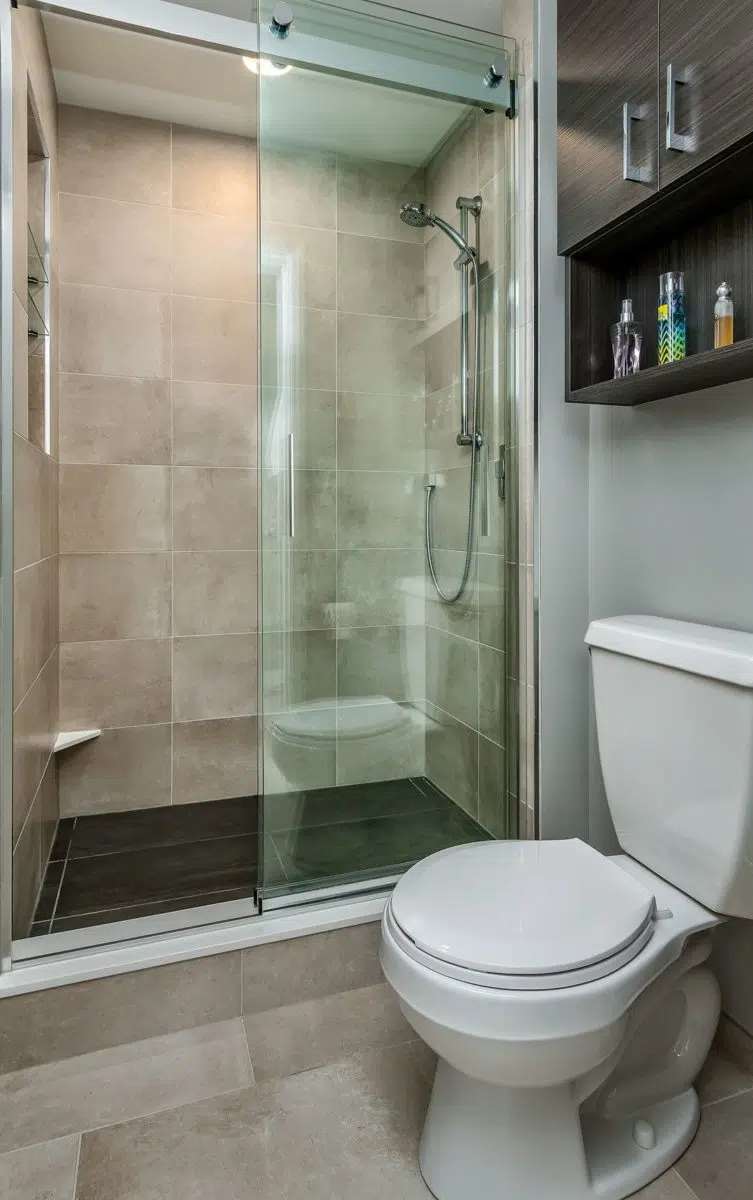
(158, 496)
(467, 718)
(343, 371)
(35, 682)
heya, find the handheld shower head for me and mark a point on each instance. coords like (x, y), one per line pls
(416, 215)
(419, 215)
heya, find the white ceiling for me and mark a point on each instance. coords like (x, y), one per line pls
(99, 66)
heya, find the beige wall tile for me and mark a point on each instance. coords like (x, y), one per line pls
(45, 1171)
(299, 589)
(380, 587)
(204, 499)
(121, 1083)
(215, 760)
(382, 662)
(20, 163)
(114, 420)
(35, 725)
(380, 354)
(380, 433)
(310, 257)
(310, 354)
(376, 275)
(214, 256)
(115, 244)
(370, 196)
(400, 754)
(105, 331)
(20, 368)
(298, 667)
(379, 508)
(460, 618)
(120, 770)
(491, 694)
(309, 968)
(299, 189)
(48, 1026)
(214, 425)
(115, 156)
(298, 1037)
(315, 509)
(452, 675)
(214, 341)
(105, 596)
(215, 592)
(214, 677)
(313, 423)
(492, 789)
(35, 487)
(452, 758)
(214, 173)
(31, 851)
(109, 684)
(35, 623)
(308, 770)
(114, 509)
(454, 171)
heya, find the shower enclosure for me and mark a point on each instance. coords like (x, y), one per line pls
(277, 519)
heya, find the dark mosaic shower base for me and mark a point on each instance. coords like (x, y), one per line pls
(120, 866)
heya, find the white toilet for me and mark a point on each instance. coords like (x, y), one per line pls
(567, 993)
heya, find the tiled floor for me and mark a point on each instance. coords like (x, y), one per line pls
(346, 1130)
(120, 866)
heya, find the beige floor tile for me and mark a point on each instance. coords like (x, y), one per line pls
(668, 1187)
(122, 1083)
(719, 1164)
(721, 1078)
(46, 1172)
(299, 1037)
(310, 968)
(345, 1130)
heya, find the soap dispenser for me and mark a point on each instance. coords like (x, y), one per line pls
(627, 342)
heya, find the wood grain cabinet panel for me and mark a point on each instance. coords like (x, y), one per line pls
(607, 53)
(710, 50)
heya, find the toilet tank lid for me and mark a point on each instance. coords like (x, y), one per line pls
(724, 654)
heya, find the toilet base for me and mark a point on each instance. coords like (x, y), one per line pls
(482, 1142)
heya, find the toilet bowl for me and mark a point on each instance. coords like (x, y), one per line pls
(567, 999)
(567, 994)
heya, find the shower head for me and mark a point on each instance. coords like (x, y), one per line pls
(417, 215)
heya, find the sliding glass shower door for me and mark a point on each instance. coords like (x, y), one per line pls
(383, 706)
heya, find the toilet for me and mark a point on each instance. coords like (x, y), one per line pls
(567, 994)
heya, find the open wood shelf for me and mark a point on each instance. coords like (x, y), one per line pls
(709, 369)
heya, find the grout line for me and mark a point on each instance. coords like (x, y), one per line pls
(223, 837)
(95, 912)
(76, 1168)
(62, 873)
(743, 1091)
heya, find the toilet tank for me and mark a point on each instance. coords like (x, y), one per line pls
(674, 717)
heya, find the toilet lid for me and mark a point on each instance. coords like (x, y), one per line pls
(521, 908)
(358, 717)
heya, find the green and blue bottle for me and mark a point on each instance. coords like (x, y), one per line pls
(672, 319)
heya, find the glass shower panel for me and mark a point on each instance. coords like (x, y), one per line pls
(383, 707)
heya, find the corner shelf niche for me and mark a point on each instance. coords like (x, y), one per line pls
(629, 262)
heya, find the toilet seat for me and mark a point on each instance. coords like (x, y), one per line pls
(521, 916)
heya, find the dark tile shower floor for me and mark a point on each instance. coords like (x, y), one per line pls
(119, 866)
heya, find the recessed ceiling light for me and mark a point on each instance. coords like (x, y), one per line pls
(266, 66)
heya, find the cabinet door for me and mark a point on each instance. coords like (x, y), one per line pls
(705, 81)
(607, 112)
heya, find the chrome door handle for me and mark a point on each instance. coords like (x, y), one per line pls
(291, 485)
(683, 143)
(630, 113)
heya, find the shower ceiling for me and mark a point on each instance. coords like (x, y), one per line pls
(98, 66)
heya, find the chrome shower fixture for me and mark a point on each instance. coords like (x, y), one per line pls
(420, 216)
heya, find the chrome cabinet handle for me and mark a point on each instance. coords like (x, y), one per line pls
(630, 113)
(683, 143)
(291, 485)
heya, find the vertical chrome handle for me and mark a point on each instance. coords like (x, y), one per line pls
(684, 143)
(630, 113)
(291, 485)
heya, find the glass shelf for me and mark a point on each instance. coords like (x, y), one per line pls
(38, 331)
(37, 275)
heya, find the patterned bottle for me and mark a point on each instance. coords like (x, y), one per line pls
(672, 323)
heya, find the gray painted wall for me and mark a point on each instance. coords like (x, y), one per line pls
(671, 533)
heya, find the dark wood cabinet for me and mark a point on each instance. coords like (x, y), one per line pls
(608, 112)
(705, 81)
